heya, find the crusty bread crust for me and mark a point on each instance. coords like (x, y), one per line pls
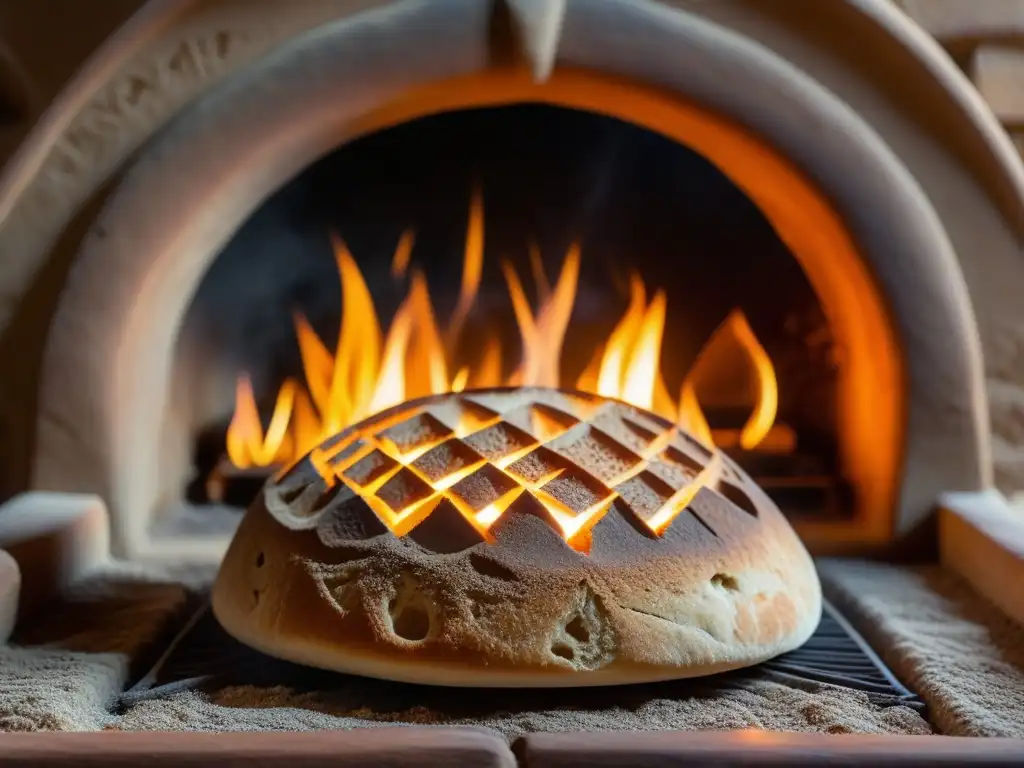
(314, 577)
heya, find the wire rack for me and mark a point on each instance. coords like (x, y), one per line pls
(202, 656)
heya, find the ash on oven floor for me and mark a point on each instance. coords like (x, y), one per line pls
(204, 657)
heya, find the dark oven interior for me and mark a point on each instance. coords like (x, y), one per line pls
(636, 203)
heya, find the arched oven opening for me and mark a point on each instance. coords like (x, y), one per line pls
(522, 244)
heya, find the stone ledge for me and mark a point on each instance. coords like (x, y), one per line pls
(387, 747)
(680, 748)
(51, 689)
(57, 539)
(423, 748)
(959, 653)
(981, 538)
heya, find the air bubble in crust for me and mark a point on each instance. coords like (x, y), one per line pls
(584, 639)
(411, 613)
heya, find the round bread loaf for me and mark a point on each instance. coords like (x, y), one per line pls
(517, 537)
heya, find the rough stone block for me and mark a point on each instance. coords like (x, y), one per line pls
(998, 74)
(966, 20)
(981, 538)
(10, 587)
(56, 539)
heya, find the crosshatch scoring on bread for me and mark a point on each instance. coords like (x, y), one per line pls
(569, 455)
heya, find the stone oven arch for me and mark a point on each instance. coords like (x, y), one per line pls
(854, 214)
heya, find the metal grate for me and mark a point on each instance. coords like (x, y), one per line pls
(204, 657)
(838, 655)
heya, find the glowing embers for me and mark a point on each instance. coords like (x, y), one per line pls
(467, 459)
(370, 371)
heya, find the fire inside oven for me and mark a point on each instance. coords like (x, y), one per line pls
(518, 246)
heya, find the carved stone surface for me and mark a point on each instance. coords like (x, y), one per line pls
(539, 27)
(120, 99)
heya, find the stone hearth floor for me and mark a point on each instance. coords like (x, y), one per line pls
(962, 656)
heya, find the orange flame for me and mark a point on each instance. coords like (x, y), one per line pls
(403, 254)
(638, 382)
(427, 371)
(620, 343)
(246, 444)
(354, 377)
(761, 420)
(369, 372)
(472, 268)
(543, 335)
(733, 366)
(390, 389)
(488, 373)
(691, 417)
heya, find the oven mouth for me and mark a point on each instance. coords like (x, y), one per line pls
(456, 268)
